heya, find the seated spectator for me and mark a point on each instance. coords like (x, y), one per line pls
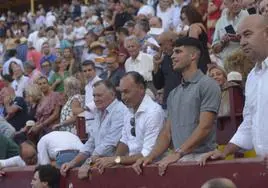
(165, 11)
(34, 56)
(156, 27)
(139, 61)
(57, 79)
(73, 106)
(16, 111)
(31, 72)
(148, 44)
(219, 75)
(105, 130)
(225, 43)
(6, 128)
(121, 15)
(12, 58)
(142, 123)
(46, 176)
(47, 111)
(69, 60)
(47, 55)
(114, 73)
(214, 13)
(96, 55)
(46, 70)
(263, 7)
(20, 81)
(56, 147)
(8, 148)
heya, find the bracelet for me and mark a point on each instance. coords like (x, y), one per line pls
(182, 153)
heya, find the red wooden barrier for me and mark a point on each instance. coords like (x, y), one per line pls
(246, 173)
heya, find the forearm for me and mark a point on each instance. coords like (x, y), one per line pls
(78, 159)
(162, 144)
(121, 150)
(52, 118)
(129, 160)
(69, 121)
(230, 149)
(195, 139)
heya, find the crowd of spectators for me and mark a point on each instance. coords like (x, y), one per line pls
(149, 77)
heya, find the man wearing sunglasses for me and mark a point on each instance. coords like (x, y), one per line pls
(142, 123)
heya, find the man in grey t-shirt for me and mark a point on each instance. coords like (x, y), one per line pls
(192, 110)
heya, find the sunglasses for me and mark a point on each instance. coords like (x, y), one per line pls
(132, 130)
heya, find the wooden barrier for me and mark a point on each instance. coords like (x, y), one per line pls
(246, 173)
(227, 125)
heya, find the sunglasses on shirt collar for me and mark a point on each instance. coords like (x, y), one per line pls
(132, 130)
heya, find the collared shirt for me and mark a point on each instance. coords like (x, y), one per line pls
(7, 63)
(149, 120)
(105, 130)
(185, 104)
(19, 85)
(89, 102)
(252, 133)
(146, 10)
(53, 142)
(166, 16)
(143, 64)
(220, 31)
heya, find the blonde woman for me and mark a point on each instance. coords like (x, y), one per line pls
(73, 106)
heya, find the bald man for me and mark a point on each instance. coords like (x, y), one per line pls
(252, 133)
(219, 183)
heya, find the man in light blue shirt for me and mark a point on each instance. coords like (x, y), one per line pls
(105, 130)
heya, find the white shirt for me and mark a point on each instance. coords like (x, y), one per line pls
(53, 142)
(166, 16)
(50, 19)
(15, 161)
(146, 10)
(36, 41)
(79, 33)
(7, 63)
(252, 133)
(143, 64)
(89, 99)
(149, 120)
(19, 85)
(220, 32)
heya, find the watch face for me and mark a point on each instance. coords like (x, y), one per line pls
(117, 160)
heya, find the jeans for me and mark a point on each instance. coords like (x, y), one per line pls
(65, 156)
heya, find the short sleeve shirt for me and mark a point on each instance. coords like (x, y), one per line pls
(186, 102)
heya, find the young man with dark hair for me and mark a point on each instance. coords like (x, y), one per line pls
(46, 176)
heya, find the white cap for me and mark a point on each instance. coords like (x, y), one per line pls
(234, 76)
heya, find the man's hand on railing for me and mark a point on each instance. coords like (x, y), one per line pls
(141, 163)
(213, 155)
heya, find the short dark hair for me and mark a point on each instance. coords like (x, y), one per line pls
(137, 77)
(42, 78)
(144, 25)
(89, 63)
(49, 174)
(108, 84)
(123, 30)
(7, 78)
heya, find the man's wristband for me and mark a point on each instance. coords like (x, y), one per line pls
(182, 153)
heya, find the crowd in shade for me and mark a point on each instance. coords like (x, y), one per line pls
(149, 77)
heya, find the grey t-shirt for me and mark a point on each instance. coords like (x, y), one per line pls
(185, 103)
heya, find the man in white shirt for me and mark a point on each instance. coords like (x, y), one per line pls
(59, 146)
(37, 38)
(50, 19)
(165, 11)
(142, 123)
(79, 39)
(20, 81)
(105, 130)
(252, 133)
(139, 61)
(88, 68)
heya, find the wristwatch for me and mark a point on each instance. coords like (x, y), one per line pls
(117, 160)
